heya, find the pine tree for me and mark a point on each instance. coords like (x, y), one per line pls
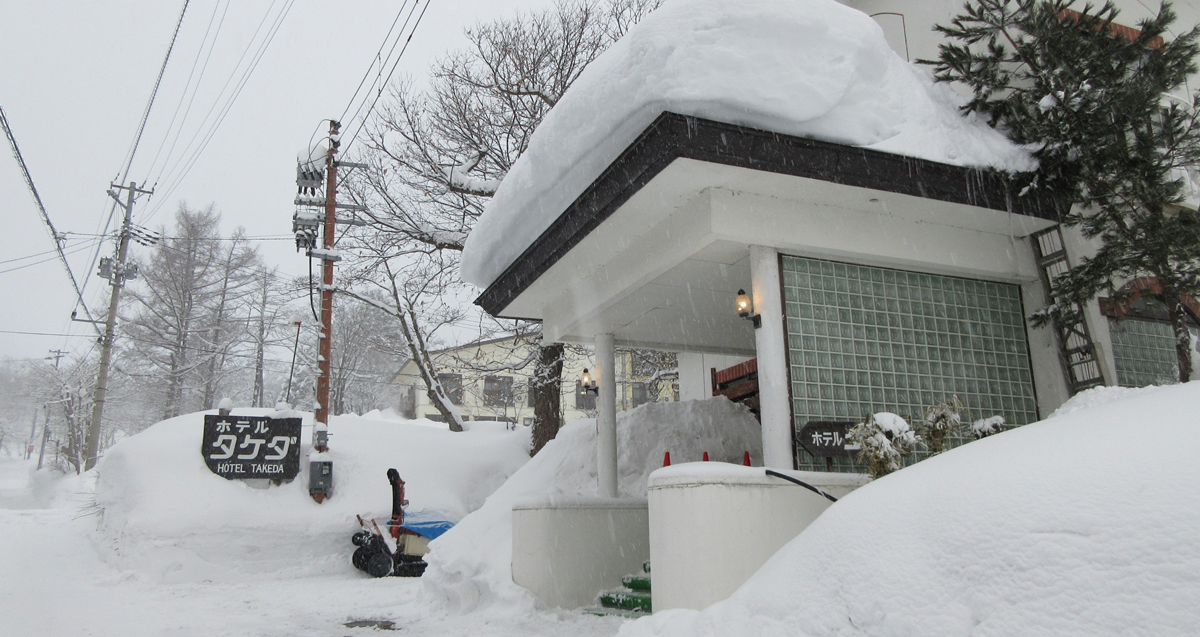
(1095, 102)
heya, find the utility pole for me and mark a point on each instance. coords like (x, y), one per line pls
(45, 434)
(116, 272)
(32, 433)
(57, 354)
(328, 256)
(305, 225)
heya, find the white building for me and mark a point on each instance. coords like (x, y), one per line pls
(783, 150)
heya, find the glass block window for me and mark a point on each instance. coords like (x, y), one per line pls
(864, 340)
(1143, 352)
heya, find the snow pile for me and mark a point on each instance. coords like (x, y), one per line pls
(165, 514)
(470, 566)
(810, 68)
(1081, 524)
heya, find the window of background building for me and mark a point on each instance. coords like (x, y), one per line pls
(497, 391)
(640, 395)
(452, 385)
(529, 393)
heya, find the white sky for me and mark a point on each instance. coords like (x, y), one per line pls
(74, 80)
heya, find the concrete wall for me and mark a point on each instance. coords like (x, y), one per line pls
(713, 525)
(567, 552)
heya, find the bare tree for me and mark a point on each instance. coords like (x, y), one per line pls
(415, 288)
(367, 346)
(189, 313)
(65, 391)
(436, 155)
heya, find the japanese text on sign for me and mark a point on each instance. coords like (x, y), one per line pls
(825, 439)
(243, 447)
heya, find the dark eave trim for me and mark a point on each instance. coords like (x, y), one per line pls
(672, 136)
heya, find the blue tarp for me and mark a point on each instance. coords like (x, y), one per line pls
(427, 524)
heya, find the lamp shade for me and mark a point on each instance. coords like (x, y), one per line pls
(743, 304)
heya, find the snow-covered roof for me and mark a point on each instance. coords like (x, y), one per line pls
(808, 68)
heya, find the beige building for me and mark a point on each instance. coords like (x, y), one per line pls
(490, 380)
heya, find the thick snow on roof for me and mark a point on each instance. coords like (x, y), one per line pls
(1081, 524)
(810, 68)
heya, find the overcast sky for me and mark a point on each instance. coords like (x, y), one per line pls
(75, 78)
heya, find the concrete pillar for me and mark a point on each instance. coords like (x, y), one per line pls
(774, 397)
(606, 416)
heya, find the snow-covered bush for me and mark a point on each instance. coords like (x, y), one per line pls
(985, 427)
(883, 440)
(941, 422)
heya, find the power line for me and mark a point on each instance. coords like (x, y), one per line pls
(265, 237)
(188, 84)
(30, 265)
(176, 180)
(107, 221)
(380, 88)
(42, 254)
(37, 199)
(37, 333)
(137, 140)
(367, 73)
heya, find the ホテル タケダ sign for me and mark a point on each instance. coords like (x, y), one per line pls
(827, 439)
(245, 447)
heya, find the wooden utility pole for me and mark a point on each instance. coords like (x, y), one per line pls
(116, 272)
(328, 256)
(305, 224)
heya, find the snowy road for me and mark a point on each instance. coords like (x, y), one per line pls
(54, 581)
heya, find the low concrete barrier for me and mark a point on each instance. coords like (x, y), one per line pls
(713, 525)
(566, 551)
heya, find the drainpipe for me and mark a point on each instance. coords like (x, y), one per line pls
(775, 407)
(606, 416)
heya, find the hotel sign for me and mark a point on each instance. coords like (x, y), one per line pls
(246, 447)
(827, 439)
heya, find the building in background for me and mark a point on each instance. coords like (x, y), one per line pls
(490, 380)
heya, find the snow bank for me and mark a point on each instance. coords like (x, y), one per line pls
(470, 566)
(811, 68)
(1081, 524)
(164, 513)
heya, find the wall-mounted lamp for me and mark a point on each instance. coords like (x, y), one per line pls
(744, 309)
(589, 384)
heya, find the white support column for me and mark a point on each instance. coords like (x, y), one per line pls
(774, 404)
(606, 416)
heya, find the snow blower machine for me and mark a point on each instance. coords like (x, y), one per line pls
(375, 554)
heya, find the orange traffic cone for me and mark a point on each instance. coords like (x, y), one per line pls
(746, 458)
(667, 459)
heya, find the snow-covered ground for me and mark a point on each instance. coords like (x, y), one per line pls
(1082, 524)
(153, 544)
